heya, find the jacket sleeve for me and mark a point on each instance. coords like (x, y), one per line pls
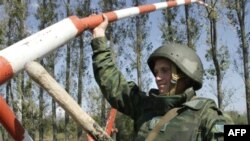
(215, 124)
(121, 94)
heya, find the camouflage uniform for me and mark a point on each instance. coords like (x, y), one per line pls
(198, 120)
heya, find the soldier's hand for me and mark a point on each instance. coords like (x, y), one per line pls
(99, 31)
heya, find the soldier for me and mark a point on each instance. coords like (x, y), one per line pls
(170, 113)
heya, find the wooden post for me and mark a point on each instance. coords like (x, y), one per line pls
(44, 79)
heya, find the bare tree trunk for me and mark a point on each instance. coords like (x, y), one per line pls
(188, 26)
(54, 121)
(138, 50)
(41, 92)
(80, 83)
(1, 134)
(83, 10)
(68, 80)
(240, 9)
(213, 36)
(41, 112)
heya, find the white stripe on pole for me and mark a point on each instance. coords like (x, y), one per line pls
(127, 12)
(39, 44)
(179, 2)
(161, 5)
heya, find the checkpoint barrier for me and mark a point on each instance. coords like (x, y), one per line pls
(15, 57)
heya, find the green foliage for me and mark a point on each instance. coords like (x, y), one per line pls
(83, 9)
(17, 13)
(238, 118)
(125, 127)
(45, 13)
(168, 28)
(223, 58)
(18, 9)
(213, 15)
(1, 33)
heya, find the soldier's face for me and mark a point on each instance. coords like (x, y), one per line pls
(162, 71)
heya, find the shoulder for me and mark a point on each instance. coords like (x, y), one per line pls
(212, 118)
(209, 108)
(209, 111)
(199, 103)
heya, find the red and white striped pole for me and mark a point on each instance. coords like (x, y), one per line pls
(111, 121)
(11, 124)
(14, 57)
(109, 124)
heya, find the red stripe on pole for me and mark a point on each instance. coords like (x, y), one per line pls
(94, 20)
(9, 121)
(109, 124)
(6, 71)
(78, 24)
(110, 121)
(172, 3)
(111, 16)
(146, 8)
(91, 21)
(188, 1)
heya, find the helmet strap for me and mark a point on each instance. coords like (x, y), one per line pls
(174, 80)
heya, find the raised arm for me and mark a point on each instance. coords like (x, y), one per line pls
(121, 94)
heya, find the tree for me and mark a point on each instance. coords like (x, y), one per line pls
(68, 78)
(168, 26)
(12, 37)
(15, 88)
(45, 13)
(141, 46)
(2, 25)
(192, 28)
(82, 10)
(237, 17)
(213, 53)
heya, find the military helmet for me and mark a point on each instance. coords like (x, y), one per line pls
(184, 58)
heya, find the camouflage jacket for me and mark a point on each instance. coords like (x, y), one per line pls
(197, 120)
